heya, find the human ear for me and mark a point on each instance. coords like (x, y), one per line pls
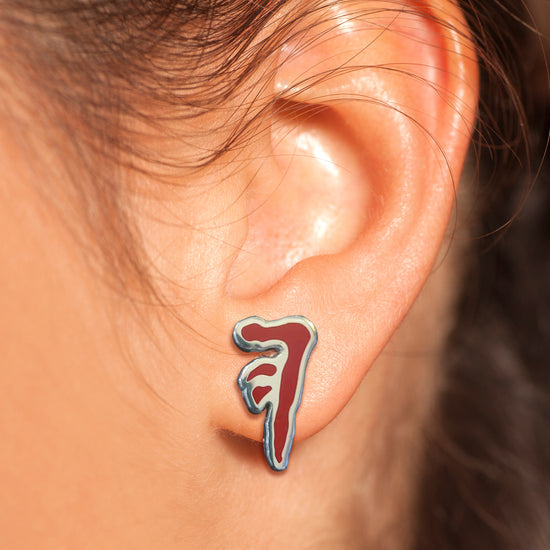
(345, 220)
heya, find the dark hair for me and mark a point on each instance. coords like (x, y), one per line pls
(485, 479)
(100, 64)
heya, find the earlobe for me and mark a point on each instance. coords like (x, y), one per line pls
(373, 122)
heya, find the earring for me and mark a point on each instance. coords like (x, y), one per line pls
(275, 382)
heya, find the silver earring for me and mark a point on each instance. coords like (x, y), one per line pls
(275, 382)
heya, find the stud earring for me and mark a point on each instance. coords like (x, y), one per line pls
(275, 382)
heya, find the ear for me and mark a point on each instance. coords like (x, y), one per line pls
(347, 215)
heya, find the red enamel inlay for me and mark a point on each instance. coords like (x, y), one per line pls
(259, 393)
(266, 368)
(296, 337)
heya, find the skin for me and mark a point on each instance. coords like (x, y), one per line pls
(123, 427)
(93, 459)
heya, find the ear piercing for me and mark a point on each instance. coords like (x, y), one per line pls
(275, 381)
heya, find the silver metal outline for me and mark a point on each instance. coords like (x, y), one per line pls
(279, 361)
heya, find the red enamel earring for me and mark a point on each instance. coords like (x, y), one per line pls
(275, 382)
